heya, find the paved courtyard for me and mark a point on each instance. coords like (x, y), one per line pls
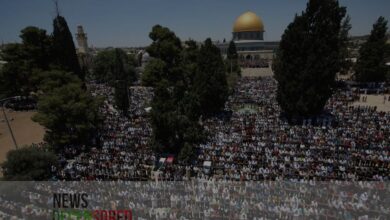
(375, 100)
(256, 72)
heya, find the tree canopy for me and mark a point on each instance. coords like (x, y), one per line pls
(104, 66)
(29, 163)
(371, 63)
(309, 57)
(122, 82)
(47, 81)
(232, 66)
(175, 106)
(210, 80)
(64, 50)
(22, 60)
(69, 114)
(232, 51)
(36, 45)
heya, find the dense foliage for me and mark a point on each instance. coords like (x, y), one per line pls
(29, 163)
(122, 82)
(70, 115)
(232, 66)
(232, 59)
(170, 73)
(64, 51)
(210, 80)
(183, 76)
(371, 64)
(32, 55)
(309, 57)
(103, 70)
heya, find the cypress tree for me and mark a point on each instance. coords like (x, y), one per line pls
(232, 51)
(371, 65)
(175, 109)
(121, 84)
(308, 58)
(210, 81)
(232, 58)
(64, 50)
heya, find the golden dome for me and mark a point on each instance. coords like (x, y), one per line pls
(248, 21)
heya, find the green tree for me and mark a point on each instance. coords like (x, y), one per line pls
(122, 83)
(64, 50)
(14, 76)
(232, 59)
(29, 163)
(165, 46)
(104, 65)
(175, 105)
(23, 59)
(232, 51)
(154, 72)
(69, 114)
(308, 58)
(388, 76)
(232, 66)
(190, 54)
(121, 97)
(346, 64)
(36, 47)
(47, 81)
(210, 83)
(371, 65)
(166, 50)
(186, 154)
(173, 121)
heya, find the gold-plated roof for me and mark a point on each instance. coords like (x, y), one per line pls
(248, 21)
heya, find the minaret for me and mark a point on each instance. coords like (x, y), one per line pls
(82, 40)
(83, 52)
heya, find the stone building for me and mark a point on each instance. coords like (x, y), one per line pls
(83, 52)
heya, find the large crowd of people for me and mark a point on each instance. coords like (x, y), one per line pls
(209, 199)
(124, 153)
(250, 140)
(345, 143)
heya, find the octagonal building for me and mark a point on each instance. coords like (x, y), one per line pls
(248, 35)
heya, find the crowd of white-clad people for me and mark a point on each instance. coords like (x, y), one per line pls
(211, 199)
(253, 142)
(249, 141)
(124, 152)
(348, 143)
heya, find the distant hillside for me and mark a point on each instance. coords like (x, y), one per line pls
(357, 38)
(364, 37)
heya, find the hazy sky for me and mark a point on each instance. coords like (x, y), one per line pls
(128, 22)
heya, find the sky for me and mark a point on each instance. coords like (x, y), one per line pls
(127, 23)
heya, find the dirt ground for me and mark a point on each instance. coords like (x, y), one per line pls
(375, 100)
(25, 130)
